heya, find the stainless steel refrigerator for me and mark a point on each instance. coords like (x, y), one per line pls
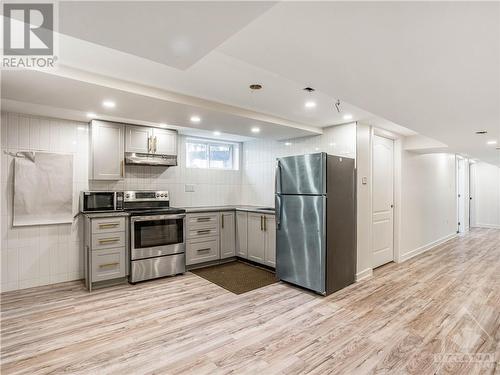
(316, 221)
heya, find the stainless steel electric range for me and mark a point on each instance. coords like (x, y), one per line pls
(157, 235)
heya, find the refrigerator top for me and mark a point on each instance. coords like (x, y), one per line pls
(301, 175)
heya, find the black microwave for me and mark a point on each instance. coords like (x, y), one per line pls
(101, 201)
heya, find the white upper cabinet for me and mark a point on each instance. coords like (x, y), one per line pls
(164, 141)
(141, 139)
(106, 151)
(137, 139)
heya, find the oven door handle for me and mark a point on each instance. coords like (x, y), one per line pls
(134, 219)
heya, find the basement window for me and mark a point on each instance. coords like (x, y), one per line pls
(209, 154)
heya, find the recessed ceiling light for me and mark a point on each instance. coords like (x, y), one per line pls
(288, 143)
(310, 104)
(91, 115)
(347, 116)
(492, 142)
(216, 133)
(195, 119)
(255, 130)
(108, 104)
(481, 132)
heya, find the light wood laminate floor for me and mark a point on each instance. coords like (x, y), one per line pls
(407, 318)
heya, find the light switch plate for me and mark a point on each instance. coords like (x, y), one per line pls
(189, 188)
(364, 180)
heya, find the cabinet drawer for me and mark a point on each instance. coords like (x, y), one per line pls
(202, 251)
(108, 225)
(108, 240)
(108, 264)
(202, 232)
(196, 221)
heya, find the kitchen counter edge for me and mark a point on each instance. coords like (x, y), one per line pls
(195, 210)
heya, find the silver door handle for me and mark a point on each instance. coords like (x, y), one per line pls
(278, 211)
(277, 178)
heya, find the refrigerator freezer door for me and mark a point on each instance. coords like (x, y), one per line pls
(304, 174)
(300, 241)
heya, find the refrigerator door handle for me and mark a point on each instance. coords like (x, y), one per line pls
(277, 178)
(278, 211)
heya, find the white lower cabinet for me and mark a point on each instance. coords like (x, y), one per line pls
(221, 235)
(108, 264)
(242, 234)
(256, 237)
(270, 241)
(202, 250)
(105, 250)
(227, 235)
(262, 239)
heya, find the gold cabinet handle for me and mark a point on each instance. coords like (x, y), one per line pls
(203, 219)
(108, 265)
(108, 240)
(265, 223)
(222, 217)
(156, 143)
(200, 250)
(261, 224)
(203, 231)
(108, 225)
(122, 169)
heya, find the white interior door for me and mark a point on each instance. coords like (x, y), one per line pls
(461, 194)
(383, 201)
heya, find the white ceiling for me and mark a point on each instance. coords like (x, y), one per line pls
(135, 104)
(433, 67)
(430, 67)
(177, 34)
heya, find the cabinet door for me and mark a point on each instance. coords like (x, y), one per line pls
(270, 240)
(137, 139)
(227, 235)
(241, 234)
(255, 238)
(165, 141)
(107, 151)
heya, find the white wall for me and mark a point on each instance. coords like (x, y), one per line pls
(46, 254)
(364, 207)
(43, 254)
(259, 159)
(486, 195)
(428, 201)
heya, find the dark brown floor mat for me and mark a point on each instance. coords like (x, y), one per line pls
(237, 277)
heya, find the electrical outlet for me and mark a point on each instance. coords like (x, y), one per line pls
(189, 188)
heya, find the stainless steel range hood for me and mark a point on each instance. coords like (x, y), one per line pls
(150, 159)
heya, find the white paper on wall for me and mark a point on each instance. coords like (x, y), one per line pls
(43, 189)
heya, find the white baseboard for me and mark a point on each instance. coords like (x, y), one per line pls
(489, 226)
(423, 249)
(366, 273)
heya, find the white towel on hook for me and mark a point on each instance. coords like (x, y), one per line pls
(43, 189)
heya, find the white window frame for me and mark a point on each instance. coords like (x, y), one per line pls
(235, 150)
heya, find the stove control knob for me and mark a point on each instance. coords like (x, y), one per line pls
(127, 195)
